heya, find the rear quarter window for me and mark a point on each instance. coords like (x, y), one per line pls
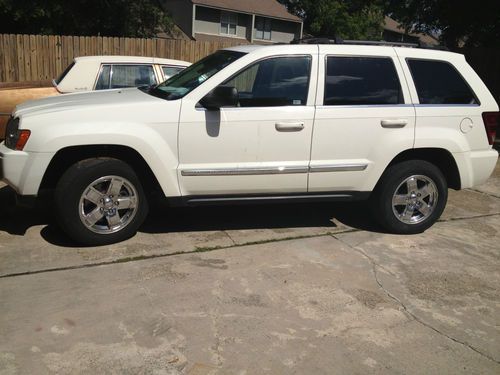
(439, 82)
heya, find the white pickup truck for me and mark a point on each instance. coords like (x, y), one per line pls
(395, 125)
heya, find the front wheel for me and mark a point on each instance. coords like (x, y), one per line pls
(100, 201)
(410, 197)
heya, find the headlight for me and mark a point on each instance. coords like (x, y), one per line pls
(15, 139)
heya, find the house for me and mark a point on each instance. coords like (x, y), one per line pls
(395, 32)
(250, 21)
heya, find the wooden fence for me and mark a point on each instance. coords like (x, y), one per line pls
(43, 57)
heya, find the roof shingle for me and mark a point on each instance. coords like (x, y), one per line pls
(270, 8)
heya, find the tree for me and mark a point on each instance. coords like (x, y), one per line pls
(348, 19)
(138, 18)
(457, 22)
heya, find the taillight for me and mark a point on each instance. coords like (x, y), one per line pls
(491, 121)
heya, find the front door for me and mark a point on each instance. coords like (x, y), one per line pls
(262, 146)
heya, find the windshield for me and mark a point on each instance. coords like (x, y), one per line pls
(190, 78)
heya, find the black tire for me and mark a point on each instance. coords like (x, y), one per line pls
(395, 177)
(75, 182)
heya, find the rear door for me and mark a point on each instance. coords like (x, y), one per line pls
(364, 117)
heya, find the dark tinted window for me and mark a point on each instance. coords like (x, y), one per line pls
(361, 81)
(438, 82)
(279, 81)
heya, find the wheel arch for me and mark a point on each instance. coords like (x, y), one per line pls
(440, 157)
(68, 156)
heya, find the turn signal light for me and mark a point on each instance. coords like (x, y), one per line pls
(24, 135)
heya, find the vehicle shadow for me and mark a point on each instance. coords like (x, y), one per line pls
(164, 219)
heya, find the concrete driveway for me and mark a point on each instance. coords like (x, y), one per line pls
(306, 289)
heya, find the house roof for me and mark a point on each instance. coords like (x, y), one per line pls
(266, 8)
(394, 26)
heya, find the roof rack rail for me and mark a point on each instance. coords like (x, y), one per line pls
(337, 40)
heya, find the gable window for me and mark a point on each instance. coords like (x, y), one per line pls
(228, 23)
(262, 28)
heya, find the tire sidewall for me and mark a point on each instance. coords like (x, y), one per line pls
(71, 187)
(392, 179)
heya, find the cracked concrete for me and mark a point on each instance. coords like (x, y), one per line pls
(212, 290)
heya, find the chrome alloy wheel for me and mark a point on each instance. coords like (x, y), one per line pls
(108, 204)
(415, 199)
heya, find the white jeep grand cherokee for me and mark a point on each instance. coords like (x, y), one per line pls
(284, 122)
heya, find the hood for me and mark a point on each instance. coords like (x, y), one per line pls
(88, 100)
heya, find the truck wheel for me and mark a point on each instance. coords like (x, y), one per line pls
(100, 201)
(410, 197)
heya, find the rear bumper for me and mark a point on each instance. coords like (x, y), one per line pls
(475, 166)
(23, 171)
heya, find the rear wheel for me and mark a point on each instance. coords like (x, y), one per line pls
(410, 197)
(100, 201)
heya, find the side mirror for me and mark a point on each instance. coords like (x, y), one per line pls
(221, 96)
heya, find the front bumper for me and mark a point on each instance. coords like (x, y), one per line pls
(23, 171)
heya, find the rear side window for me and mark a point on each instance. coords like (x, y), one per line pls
(132, 76)
(438, 82)
(361, 81)
(103, 80)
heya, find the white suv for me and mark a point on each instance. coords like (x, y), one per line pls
(262, 123)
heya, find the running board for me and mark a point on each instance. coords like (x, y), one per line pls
(264, 199)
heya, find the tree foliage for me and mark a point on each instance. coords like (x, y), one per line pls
(456, 21)
(138, 18)
(348, 19)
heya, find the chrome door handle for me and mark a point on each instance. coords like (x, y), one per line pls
(289, 126)
(394, 124)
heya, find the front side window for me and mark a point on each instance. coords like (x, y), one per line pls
(190, 78)
(262, 28)
(228, 23)
(438, 82)
(361, 81)
(279, 81)
(132, 76)
(170, 71)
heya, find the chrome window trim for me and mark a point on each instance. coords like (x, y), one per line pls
(272, 170)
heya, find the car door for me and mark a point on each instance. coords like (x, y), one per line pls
(364, 118)
(262, 146)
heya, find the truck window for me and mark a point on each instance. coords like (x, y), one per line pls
(361, 81)
(278, 81)
(438, 82)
